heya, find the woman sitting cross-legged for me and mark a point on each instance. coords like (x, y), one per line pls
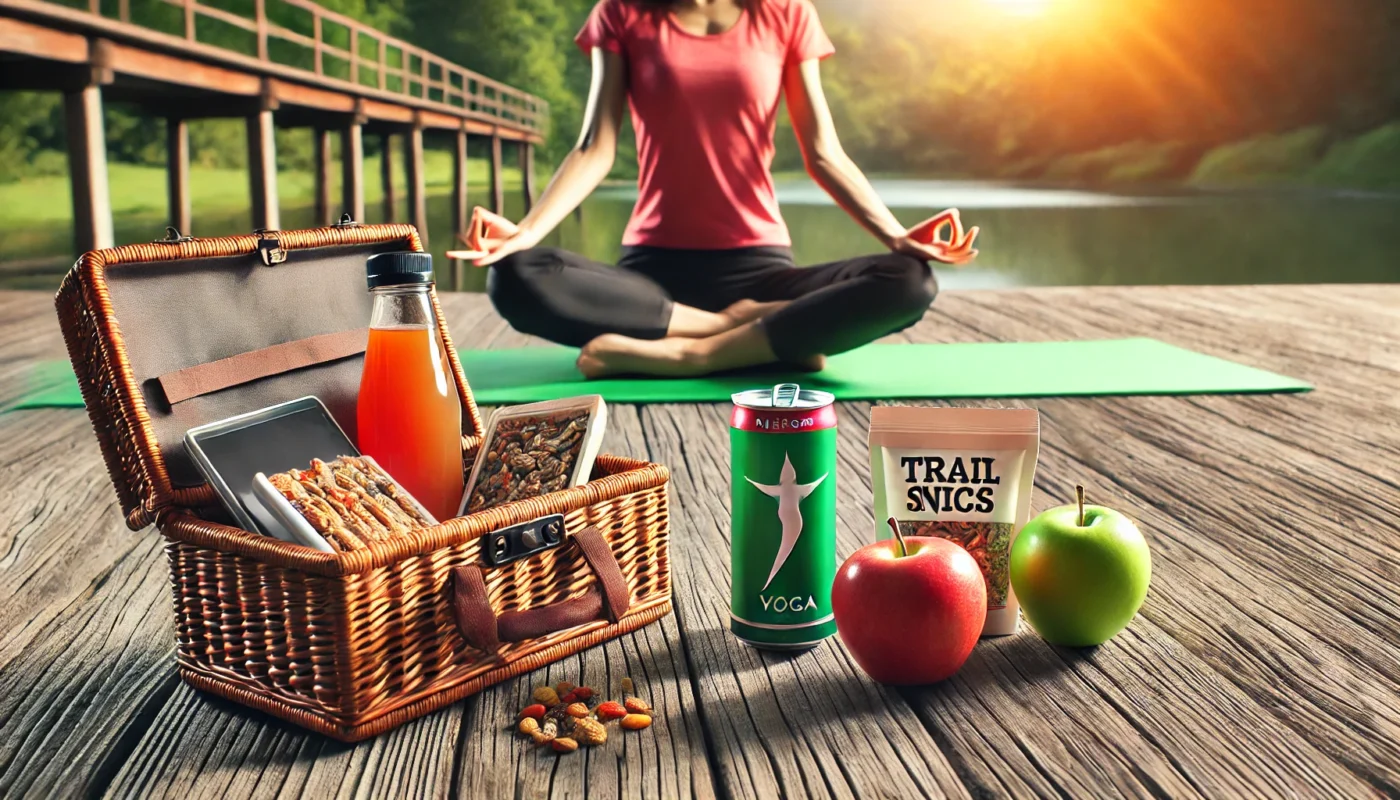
(707, 281)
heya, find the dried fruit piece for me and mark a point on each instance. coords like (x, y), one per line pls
(635, 722)
(563, 688)
(564, 745)
(529, 726)
(590, 732)
(568, 698)
(611, 710)
(636, 705)
(583, 693)
(537, 711)
(627, 687)
(547, 696)
(577, 710)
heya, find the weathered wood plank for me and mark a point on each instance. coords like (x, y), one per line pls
(85, 640)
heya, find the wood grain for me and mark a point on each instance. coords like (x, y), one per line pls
(1266, 661)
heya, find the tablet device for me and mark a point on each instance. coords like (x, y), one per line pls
(275, 439)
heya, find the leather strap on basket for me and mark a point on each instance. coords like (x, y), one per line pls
(485, 630)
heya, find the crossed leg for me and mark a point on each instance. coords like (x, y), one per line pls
(626, 322)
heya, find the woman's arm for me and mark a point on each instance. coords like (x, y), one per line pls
(834, 171)
(586, 165)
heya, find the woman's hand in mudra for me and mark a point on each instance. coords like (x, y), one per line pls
(522, 239)
(938, 250)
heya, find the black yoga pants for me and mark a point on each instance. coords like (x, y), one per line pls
(834, 307)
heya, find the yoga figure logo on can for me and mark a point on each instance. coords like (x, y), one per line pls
(783, 554)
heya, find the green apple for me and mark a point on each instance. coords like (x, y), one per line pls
(1081, 573)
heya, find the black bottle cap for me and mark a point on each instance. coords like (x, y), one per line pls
(399, 269)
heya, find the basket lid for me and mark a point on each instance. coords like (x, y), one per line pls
(174, 334)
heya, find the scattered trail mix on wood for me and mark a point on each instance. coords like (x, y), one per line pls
(567, 717)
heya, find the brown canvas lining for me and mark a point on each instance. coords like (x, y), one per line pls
(182, 314)
(244, 368)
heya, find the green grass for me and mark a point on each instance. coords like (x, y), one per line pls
(36, 212)
(140, 190)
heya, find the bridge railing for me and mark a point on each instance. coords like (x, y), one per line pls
(332, 46)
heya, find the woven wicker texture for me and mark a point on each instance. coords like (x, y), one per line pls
(354, 643)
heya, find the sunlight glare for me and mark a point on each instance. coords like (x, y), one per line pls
(1024, 8)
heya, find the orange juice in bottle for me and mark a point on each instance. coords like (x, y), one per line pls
(410, 417)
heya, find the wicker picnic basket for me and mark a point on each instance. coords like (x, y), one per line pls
(349, 644)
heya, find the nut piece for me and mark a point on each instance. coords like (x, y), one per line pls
(536, 711)
(636, 705)
(590, 732)
(540, 737)
(529, 726)
(563, 688)
(546, 696)
(611, 710)
(550, 728)
(635, 722)
(627, 687)
(577, 710)
(564, 745)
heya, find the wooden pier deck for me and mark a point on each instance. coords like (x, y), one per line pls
(1266, 661)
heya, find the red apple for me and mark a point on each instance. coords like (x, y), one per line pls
(910, 618)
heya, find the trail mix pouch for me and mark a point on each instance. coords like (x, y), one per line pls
(964, 474)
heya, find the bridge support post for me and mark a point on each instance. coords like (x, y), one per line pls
(460, 215)
(325, 211)
(527, 174)
(417, 182)
(87, 168)
(498, 190)
(177, 173)
(262, 169)
(386, 175)
(352, 170)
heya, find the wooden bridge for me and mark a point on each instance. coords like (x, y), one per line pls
(291, 64)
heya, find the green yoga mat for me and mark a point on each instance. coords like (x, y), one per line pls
(873, 372)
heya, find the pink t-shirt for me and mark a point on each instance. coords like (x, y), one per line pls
(704, 108)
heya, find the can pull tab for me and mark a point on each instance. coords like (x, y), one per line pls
(785, 394)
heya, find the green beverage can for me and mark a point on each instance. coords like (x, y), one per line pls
(783, 532)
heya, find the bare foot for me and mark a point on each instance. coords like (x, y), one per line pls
(614, 354)
(741, 311)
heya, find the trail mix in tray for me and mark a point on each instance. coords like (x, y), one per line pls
(528, 456)
(566, 717)
(349, 501)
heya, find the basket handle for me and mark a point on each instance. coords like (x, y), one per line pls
(484, 629)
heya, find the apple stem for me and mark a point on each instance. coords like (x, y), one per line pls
(894, 526)
(1079, 492)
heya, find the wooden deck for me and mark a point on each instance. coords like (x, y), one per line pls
(1266, 661)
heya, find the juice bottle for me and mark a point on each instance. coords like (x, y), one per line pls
(410, 417)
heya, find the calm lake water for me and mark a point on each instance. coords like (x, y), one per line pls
(1030, 236)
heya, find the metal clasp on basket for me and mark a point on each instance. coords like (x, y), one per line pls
(346, 221)
(522, 541)
(270, 247)
(173, 236)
